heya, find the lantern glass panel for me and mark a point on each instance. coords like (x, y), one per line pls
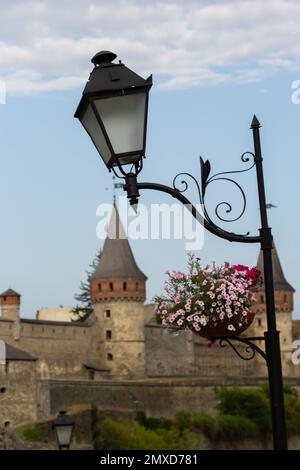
(93, 128)
(123, 118)
(64, 435)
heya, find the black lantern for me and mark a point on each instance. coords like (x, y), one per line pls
(63, 426)
(113, 110)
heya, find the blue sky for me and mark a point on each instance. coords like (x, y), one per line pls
(214, 65)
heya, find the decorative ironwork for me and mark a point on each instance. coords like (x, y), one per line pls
(206, 180)
(250, 348)
(185, 183)
(183, 186)
(135, 169)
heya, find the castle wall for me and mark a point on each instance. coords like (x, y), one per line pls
(18, 392)
(159, 398)
(216, 361)
(168, 354)
(61, 349)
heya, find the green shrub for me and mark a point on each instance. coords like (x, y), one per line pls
(141, 417)
(32, 434)
(251, 404)
(244, 414)
(152, 423)
(183, 420)
(292, 408)
(202, 422)
(116, 435)
(229, 428)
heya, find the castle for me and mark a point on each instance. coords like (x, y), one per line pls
(119, 356)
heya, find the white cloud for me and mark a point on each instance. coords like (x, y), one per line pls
(47, 44)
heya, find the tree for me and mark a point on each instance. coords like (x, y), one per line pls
(84, 307)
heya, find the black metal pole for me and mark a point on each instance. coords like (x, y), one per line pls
(271, 335)
(272, 343)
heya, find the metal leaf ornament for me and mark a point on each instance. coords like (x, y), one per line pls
(205, 171)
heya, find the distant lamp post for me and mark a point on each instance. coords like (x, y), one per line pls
(113, 110)
(63, 426)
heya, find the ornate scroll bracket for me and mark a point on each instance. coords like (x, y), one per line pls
(250, 347)
(206, 179)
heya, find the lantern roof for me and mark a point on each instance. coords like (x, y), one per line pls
(109, 79)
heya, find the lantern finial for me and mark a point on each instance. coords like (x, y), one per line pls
(103, 57)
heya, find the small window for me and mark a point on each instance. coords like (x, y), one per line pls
(110, 357)
(259, 322)
(124, 285)
(4, 298)
(107, 313)
(108, 334)
(111, 286)
(136, 286)
(2, 389)
(262, 299)
(285, 298)
(99, 287)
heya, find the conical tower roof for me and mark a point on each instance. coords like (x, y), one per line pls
(280, 282)
(117, 260)
(10, 293)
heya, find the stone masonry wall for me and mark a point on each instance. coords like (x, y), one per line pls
(159, 398)
(61, 349)
(18, 393)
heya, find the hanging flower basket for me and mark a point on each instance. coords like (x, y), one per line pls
(211, 301)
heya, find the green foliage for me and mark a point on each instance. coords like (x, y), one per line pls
(255, 405)
(84, 308)
(32, 433)
(292, 410)
(202, 422)
(233, 428)
(243, 414)
(153, 423)
(222, 427)
(251, 404)
(183, 419)
(117, 435)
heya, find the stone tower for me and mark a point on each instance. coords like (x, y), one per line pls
(284, 304)
(118, 294)
(10, 305)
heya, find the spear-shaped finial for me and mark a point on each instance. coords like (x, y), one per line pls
(255, 124)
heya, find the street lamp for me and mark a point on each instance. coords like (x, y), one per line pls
(124, 153)
(113, 110)
(63, 426)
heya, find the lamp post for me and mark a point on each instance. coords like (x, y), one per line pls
(113, 110)
(63, 426)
